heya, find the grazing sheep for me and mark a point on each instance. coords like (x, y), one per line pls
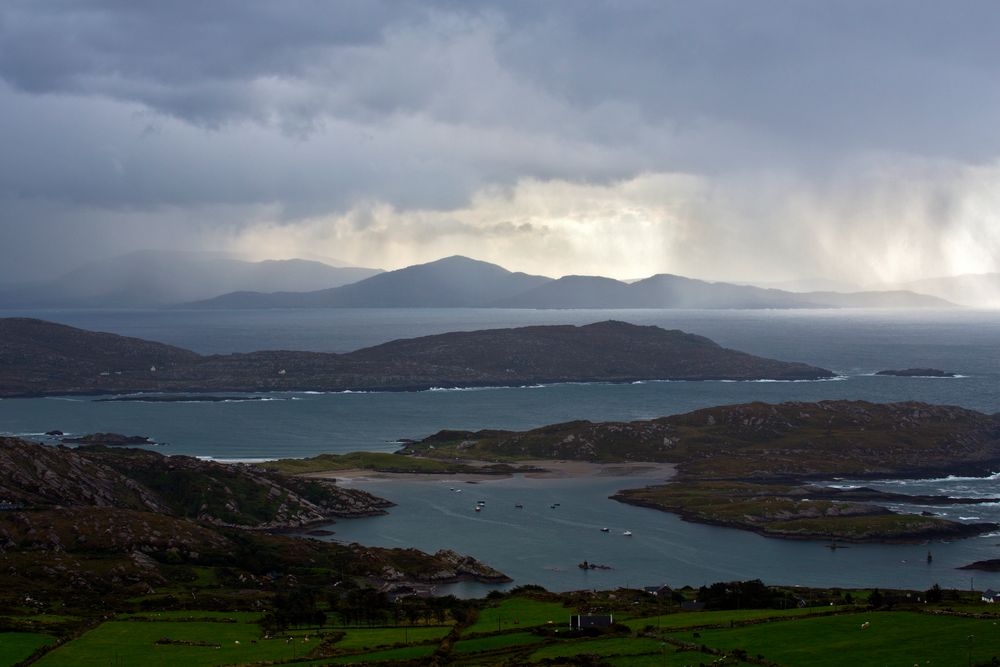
(864, 626)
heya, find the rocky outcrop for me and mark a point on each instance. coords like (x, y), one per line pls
(919, 372)
(181, 486)
(32, 474)
(991, 565)
(109, 440)
(447, 567)
(94, 521)
(795, 512)
(793, 440)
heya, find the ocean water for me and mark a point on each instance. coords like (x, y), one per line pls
(538, 544)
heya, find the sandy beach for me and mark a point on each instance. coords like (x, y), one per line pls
(548, 470)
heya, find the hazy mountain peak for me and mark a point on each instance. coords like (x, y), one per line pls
(153, 278)
(459, 281)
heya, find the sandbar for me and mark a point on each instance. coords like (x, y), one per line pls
(548, 469)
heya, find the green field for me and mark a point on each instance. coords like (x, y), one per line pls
(669, 658)
(379, 461)
(16, 646)
(372, 637)
(494, 642)
(207, 616)
(695, 619)
(892, 638)
(133, 643)
(407, 653)
(602, 647)
(521, 612)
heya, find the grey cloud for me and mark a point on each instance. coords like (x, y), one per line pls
(166, 112)
(893, 75)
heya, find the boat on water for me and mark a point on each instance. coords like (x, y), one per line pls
(479, 508)
(627, 533)
(605, 530)
(519, 506)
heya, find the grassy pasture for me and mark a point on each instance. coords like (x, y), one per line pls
(892, 638)
(406, 653)
(603, 647)
(378, 461)
(16, 646)
(196, 615)
(696, 619)
(520, 612)
(372, 637)
(494, 642)
(134, 643)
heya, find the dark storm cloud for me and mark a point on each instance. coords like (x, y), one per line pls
(897, 75)
(182, 122)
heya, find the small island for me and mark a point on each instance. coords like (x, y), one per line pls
(918, 373)
(110, 440)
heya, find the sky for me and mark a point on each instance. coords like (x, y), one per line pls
(749, 141)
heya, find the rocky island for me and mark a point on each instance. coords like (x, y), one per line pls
(43, 358)
(751, 466)
(918, 373)
(107, 439)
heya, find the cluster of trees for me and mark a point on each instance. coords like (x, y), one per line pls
(350, 605)
(367, 606)
(751, 594)
(299, 607)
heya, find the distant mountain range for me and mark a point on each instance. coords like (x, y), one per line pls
(207, 280)
(150, 279)
(454, 282)
(462, 282)
(981, 290)
(41, 358)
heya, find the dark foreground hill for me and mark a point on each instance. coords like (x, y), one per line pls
(94, 523)
(38, 358)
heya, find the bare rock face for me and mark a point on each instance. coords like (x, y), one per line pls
(225, 495)
(459, 566)
(445, 566)
(33, 474)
